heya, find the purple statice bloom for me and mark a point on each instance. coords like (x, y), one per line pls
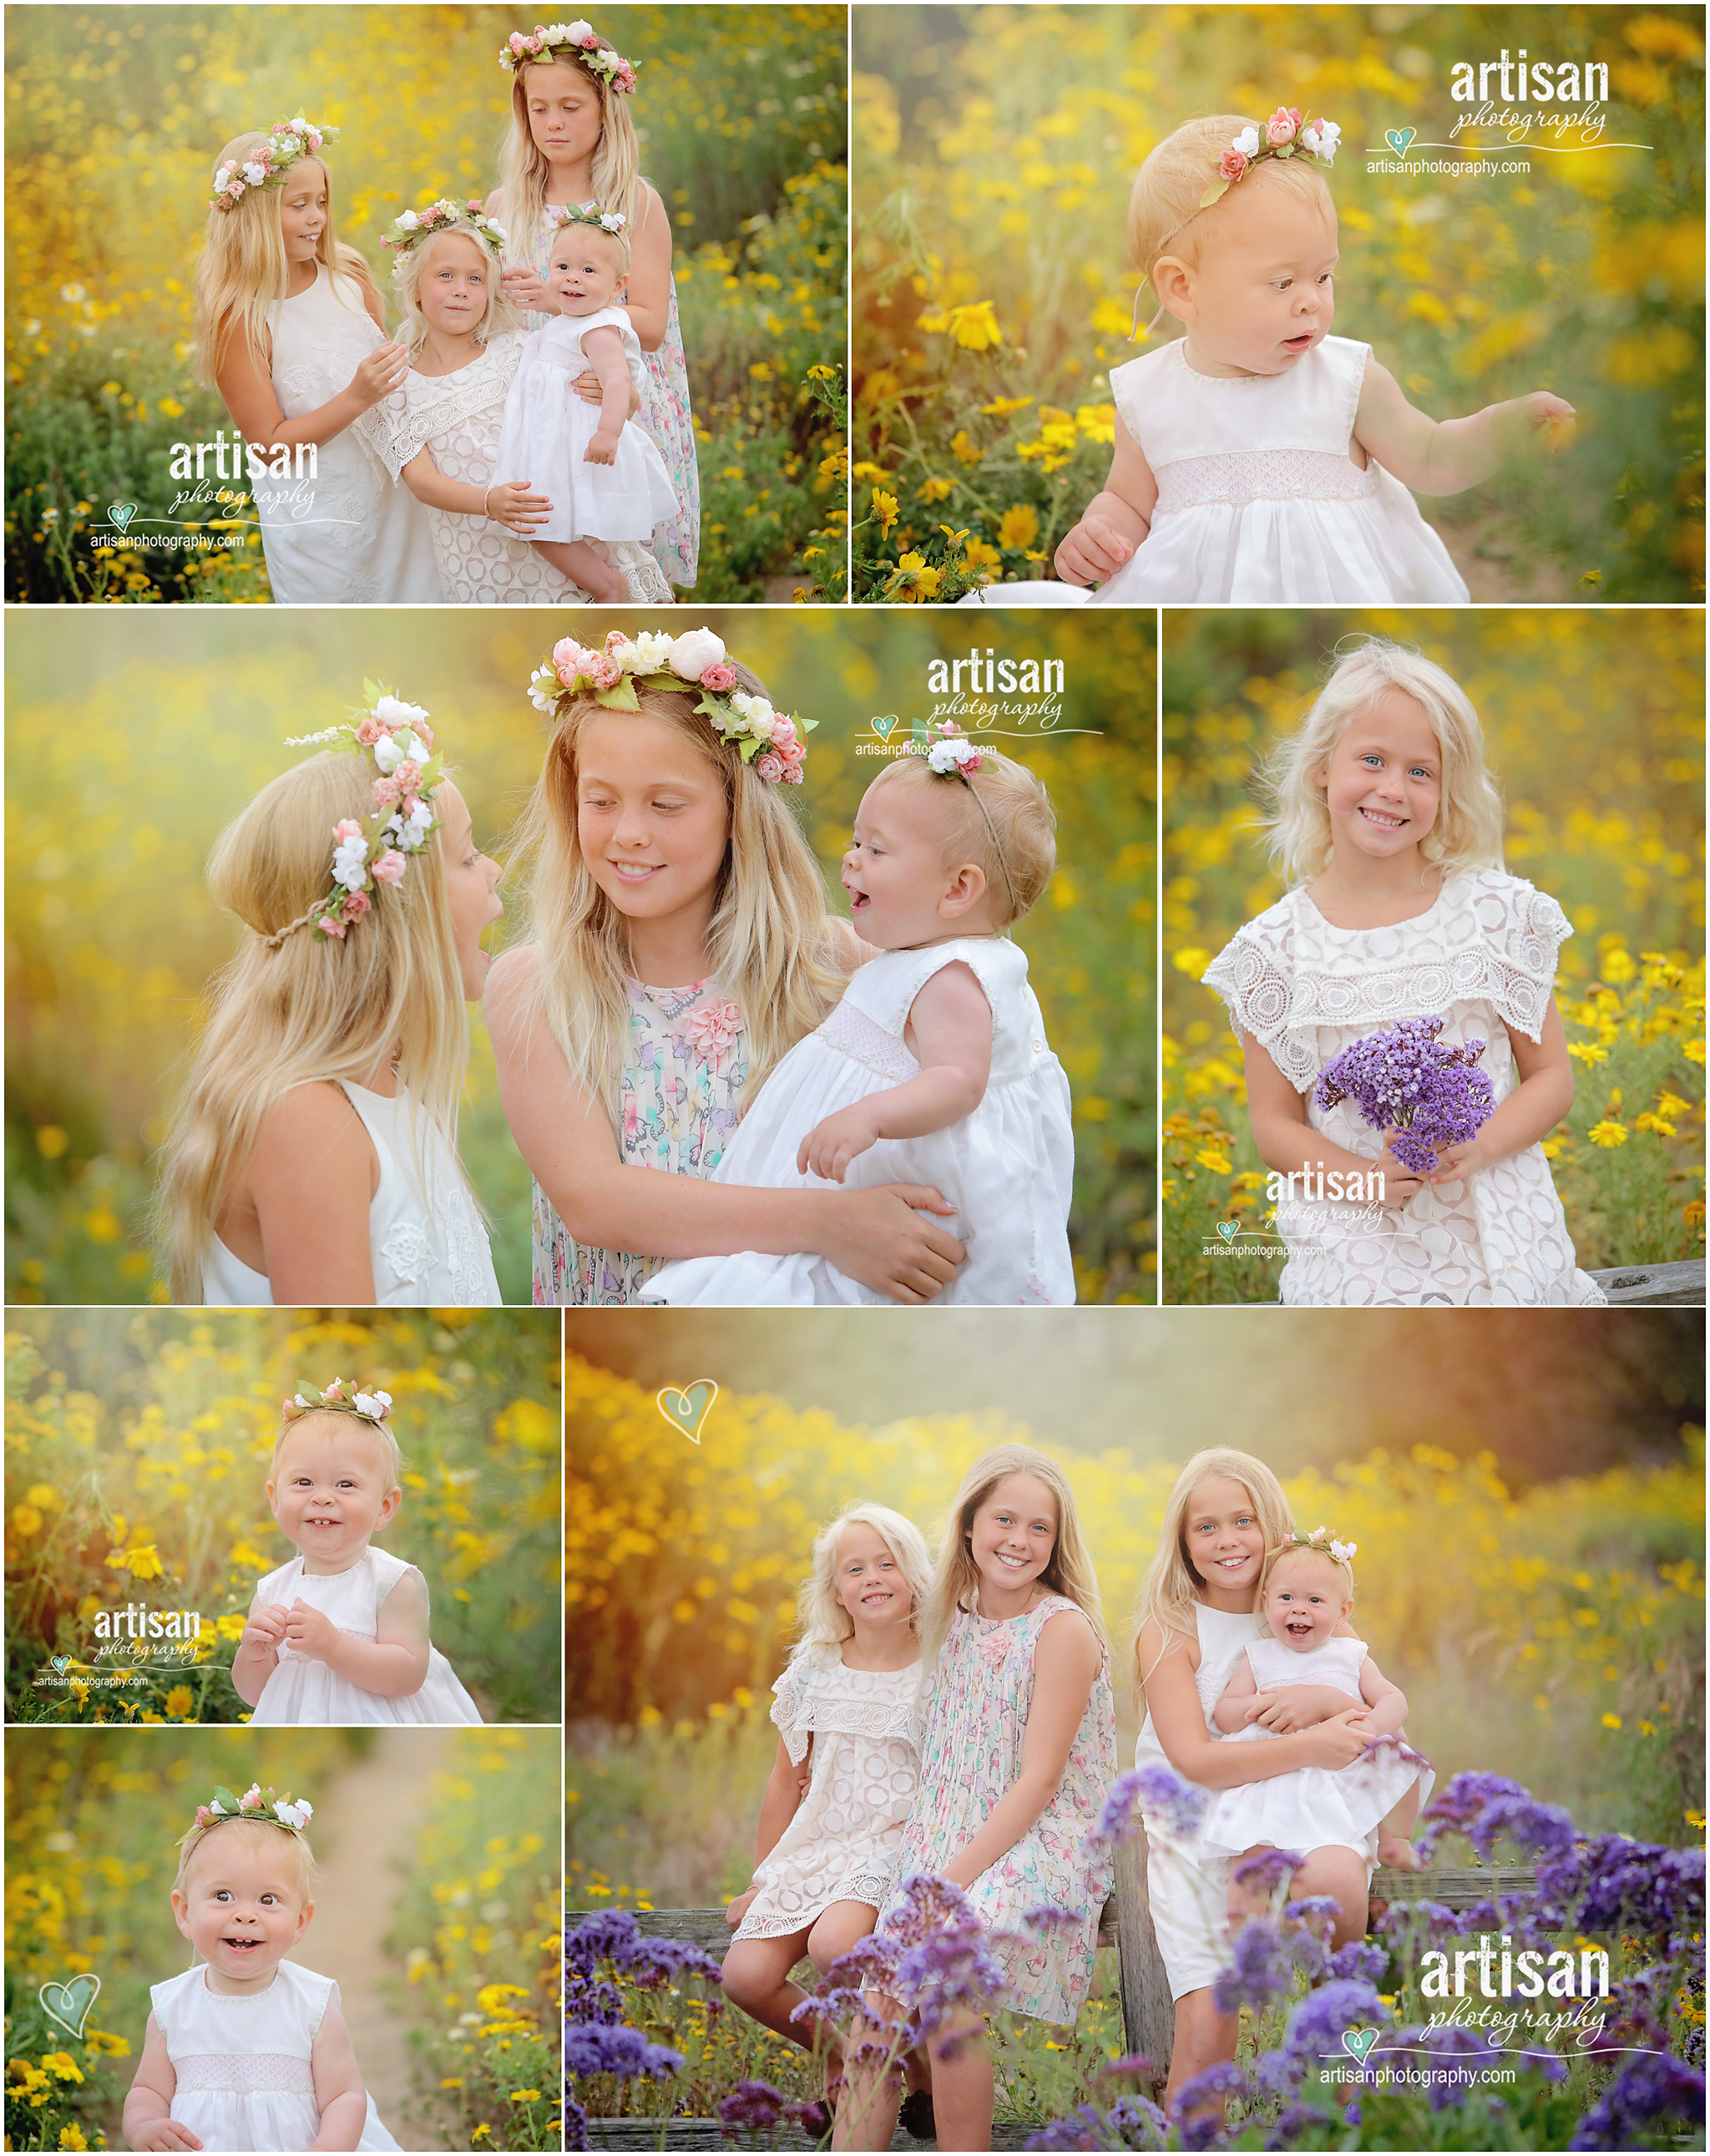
(928, 1903)
(870, 1964)
(610, 1935)
(1269, 1870)
(1132, 2066)
(1207, 2093)
(1134, 2122)
(1157, 1792)
(594, 2047)
(1401, 1078)
(949, 1979)
(1356, 1962)
(1083, 2128)
(1266, 1956)
(661, 1961)
(575, 2125)
(829, 2010)
(1295, 2121)
(1620, 1884)
(1049, 1918)
(1648, 2095)
(1315, 2028)
(592, 1999)
(751, 2107)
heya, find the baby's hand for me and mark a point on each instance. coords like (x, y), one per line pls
(1401, 1184)
(311, 1631)
(1092, 552)
(266, 1628)
(830, 1147)
(1280, 1715)
(602, 449)
(164, 2133)
(738, 1909)
(1543, 414)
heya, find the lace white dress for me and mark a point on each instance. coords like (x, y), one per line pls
(303, 1691)
(1314, 1807)
(350, 534)
(425, 1238)
(242, 2062)
(1007, 1168)
(1482, 958)
(842, 1844)
(1258, 500)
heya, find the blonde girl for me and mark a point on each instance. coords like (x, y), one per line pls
(678, 945)
(290, 331)
(1387, 825)
(313, 1155)
(571, 142)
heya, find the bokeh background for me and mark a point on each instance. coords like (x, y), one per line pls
(1594, 729)
(131, 745)
(742, 132)
(436, 1913)
(993, 149)
(138, 1445)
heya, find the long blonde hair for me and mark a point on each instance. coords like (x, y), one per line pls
(524, 173)
(771, 942)
(1170, 1592)
(407, 282)
(824, 1621)
(307, 1008)
(242, 270)
(956, 1577)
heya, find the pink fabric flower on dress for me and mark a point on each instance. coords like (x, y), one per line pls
(719, 679)
(1232, 164)
(713, 1028)
(1282, 126)
(390, 866)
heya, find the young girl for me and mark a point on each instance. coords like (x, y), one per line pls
(290, 331)
(1194, 1619)
(680, 945)
(844, 1710)
(934, 1067)
(340, 1635)
(571, 139)
(1353, 1820)
(606, 479)
(1388, 826)
(1260, 459)
(247, 2050)
(314, 1154)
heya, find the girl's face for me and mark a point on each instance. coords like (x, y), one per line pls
(584, 275)
(1014, 1531)
(1264, 292)
(1303, 1603)
(242, 1906)
(893, 868)
(564, 114)
(650, 816)
(452, 288)
(1225, 1541)
(330, 1492)
(471, 886)
(867, 1579)
(305, 205)
(1383, 782)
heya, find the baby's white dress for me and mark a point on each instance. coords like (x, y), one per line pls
(1482, 958)
(241, 2063)
(426, 1245)
(303, 1691)
(1259, 500)
(547, 427)
(843, 1842)
(1314, 1807)
(1008, 1169)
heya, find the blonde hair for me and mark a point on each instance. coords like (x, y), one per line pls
(824, 1621)
(524, 173)
(771, 944)
(391, 1459)
(1296, 1548)
(191, 1843)
(956, 1577)
(242, 270)
(620, 240)
(1468, 830)
(1163, 203)
(1000, 819)
(291, 1009)
(407, 282)
(1171, 1591)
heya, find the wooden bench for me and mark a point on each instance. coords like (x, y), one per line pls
(1682, 1283)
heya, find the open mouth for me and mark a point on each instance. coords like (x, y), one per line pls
(1300, 1628)
(1302, 343)
(1012, 1563)
(878, 1598)
(323, 1523)
(242, 1945)
(1379, 821)
(1233, 1564)
(635, 871)
(857, 899)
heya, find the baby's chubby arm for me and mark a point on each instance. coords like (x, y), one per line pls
(1113, 523)
(148, 2123)
(257, 1657)
(339, 2097)
(393, 1665)
(603, 349)
(1230, 1713)
(1446, 456)
(1387, 1700)
(952, 1023)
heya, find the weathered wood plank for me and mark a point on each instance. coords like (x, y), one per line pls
(1681, 1284)
(671, 2133)
(1148, 2011)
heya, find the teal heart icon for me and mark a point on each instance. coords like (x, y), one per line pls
(687, 1410)
(122, 512)
(882, 727)
(1358, 2043)
(61, 1664)
(68, 2003)
(1229, 1229)
(1398, 138)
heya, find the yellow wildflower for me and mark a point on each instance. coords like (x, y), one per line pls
(1608, 1133)
(1018, 526)
(975, 327)
(885, 510)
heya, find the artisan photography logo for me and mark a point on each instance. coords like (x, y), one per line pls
(124, 1644)
(217, 484)
(991, 694)
(1545, 105)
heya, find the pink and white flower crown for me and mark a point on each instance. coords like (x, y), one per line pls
(604, 220)
(770, 742)
(1323, 1541)
(575, 41)
(287, 141)
(1283, 135)
(338, 1399)
(416, 225)
(255, 1803)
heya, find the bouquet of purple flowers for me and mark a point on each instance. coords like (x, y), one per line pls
(1400, 1078)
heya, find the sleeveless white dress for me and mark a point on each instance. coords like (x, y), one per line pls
(1482, 958)
(349, 534)
(427, 1245)
(1259, 500)
(1008, 1169)
(302, 1691)
(241, 2063)
(1314, 1807)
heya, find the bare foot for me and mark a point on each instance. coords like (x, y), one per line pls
(1398, 1855)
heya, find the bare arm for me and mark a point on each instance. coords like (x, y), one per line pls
(1446, 456)
(1387, 1702)
(649, 301)
(1114, 522)
(1240, 1694)
(1179, 1722)
(257, 1657)
(147, 2121)
(1287, 1143)
(339, 2097)
(312, 1177)
(246, 387)
(1544, 1095)
(393, 1664)
(511, 504)
(603, 350)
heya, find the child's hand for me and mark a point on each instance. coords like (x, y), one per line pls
(265, 1630)
(1542, 413)
(515, 508)
(164, 2133)
(381, 371)
(311, 1631)
(1280, 1715)
(1456, 1162)
(1092, 552)
(527, 288)
(830, 1147)
(1401, 1184)
(602, 449)
(738, 1909)
(587, 386)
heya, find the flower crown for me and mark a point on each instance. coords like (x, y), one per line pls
(255, 1803)
(338, 1399)
(768, 739)
(416, 225)
(287, 141)
(1323, 1541)
(1282, 135)
(605, 220)
(578, 41)
(947, 748)
(403, 820)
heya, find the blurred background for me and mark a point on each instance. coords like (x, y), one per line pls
(742, 132)
(131, 743)
(436, 1913)
(1594, 727)
(993, 151)
(138, 1448)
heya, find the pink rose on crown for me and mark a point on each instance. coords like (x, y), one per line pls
(713, 1028)
(569, 659)
(770, 766)
(1282, 126)
(606, 671)
(357, 903)
(345, 830)
(329, 926)
(719, 680)
(370, 730)
(390, 866)
(1232, 164)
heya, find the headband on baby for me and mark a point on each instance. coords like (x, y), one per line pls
(416, 225)
(572, 41)
(602, 220)
(287, 141)
(338, 1399)
(1320, 1540)
(255, 1803)
(949, 754)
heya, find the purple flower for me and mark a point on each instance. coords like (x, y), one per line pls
(1134, 2122)
(592, 1999)
(1401, 1079)
(1648, 2094)
(750, 2105)
(948, 1978)
(1158, 1792)
(1357, 1961)
(1316, 2026)
(607, 1935)
(1269, 1870)
(1267, 1955)
(1295, 2121)
(575, 2124)
(928, 1903)
(1486, 1807)
(594, 2047)
(1206, 2093)
(1619, 1884)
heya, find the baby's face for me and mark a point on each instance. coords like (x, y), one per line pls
(867, 1579)
(1383, 780)
(1303, 1603)
(330, 1490)
(241, 1905)
(894, 867)
(584, 275)
(1263, 293)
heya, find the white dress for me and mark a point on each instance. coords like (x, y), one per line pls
(843, 1843)
(547, 427)
(302, 1690)
(1008, 1169)
(1481, 959)
(241, 2063)
(1259, 501)
(349, 534)
(426, 1245)
(456, 419)
(1314, 1807)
